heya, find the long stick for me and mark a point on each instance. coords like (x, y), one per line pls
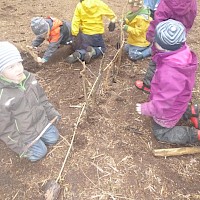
(71, 143)
(176, 151)
(25, 149)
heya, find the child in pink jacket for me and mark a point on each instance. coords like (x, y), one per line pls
(184, 11)
(172, 85)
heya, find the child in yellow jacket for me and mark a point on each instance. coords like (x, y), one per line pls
(136, 24)
(88, 28)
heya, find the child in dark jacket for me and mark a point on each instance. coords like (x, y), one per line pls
(136, 25)
(184, 11)
(24, 109)
(55, 31)
(88, 29)
(172, 85)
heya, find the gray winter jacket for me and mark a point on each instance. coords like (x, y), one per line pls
(60, 33)
(24, 112)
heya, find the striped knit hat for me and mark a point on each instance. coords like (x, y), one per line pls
(9, 55)
(138, 3)
(170, 34)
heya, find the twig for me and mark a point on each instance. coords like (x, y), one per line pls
(25, 149)
(82, 73)
(71, 143)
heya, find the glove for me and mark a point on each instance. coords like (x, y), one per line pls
(31, 47)
(138, 108)
(41, 60)
(111, 26)
(58, 119)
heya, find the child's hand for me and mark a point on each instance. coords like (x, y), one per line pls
(138, 108)
(31, 47)
(41, 60)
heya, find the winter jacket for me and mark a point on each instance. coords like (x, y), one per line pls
(60, 33)
(24, 112)
(88, 17)
(136, 25)
(184, 11)
(171, 86)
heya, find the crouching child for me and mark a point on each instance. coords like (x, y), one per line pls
(136, 24)
(88, 29)
(24, 108)
(55, 31)
(172, 85)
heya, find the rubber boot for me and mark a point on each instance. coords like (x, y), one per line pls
(89, 54)
(195, 116)
(73, 57)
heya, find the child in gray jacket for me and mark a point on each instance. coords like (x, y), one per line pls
(24, 108)
(55, 31)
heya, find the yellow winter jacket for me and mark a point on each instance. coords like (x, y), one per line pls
(136, 25)
(88, 17)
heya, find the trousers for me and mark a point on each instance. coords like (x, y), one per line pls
(39, 149)
(96, 41)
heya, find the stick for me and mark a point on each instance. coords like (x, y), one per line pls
(82, 73)
(71, 143)
(25, 149)
(176, 151)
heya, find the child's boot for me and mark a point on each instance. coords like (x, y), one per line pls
(89, 54)
(195, 116)
(141, 86)
(73, 57)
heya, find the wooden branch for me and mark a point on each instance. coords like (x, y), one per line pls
(175, 151)
(25, 149)
(82, 73)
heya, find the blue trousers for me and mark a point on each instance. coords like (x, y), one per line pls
(96, 41)
(136, 53)
(39, 149)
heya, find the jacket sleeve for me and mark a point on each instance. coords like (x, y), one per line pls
(161, 14)
(52, 47)
(163, 98)
(38, 41)
(140, 27)
(49, 108)
(76, 20)
(107, 11)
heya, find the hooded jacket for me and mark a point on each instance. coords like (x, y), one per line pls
(88, 17)
(171, 86)
(184, 11)
(24, 112)
(136, 25)
(60, 33)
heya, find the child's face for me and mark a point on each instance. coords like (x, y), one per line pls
(134, 8)
(14, 72)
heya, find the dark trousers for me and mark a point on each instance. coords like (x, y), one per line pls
(176, 134)
(96, 41)
(149, 74)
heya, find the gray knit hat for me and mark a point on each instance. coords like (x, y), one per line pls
(39, 25)
(170, 34)
(9, 55)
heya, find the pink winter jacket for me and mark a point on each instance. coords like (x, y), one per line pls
(171, 86)
(184, 11)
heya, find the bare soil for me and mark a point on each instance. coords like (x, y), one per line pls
(111, 156)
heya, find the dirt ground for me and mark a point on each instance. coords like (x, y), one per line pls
(111, 158)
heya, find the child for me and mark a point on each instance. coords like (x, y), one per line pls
(87, 29)
(184, 11)
(24, 108)
(136, 25)
(171, 87)
(55, 31)
(152, 5)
